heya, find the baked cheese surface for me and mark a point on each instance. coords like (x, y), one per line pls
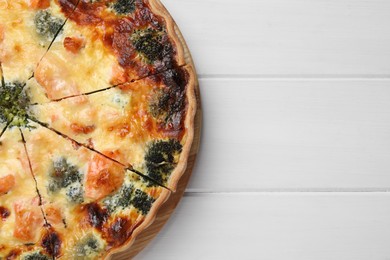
(96, 122)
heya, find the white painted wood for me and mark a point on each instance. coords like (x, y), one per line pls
(294, 134)
(286, 37)
(295, 98)
(276, 226)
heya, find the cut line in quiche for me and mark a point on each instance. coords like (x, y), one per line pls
(27, 30)
(143, 122)
(97, 107)
(22, 225)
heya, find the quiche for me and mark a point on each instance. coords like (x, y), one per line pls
(97, 106)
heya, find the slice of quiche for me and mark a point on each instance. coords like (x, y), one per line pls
(92, 203)
(23, 230)
(27, 29)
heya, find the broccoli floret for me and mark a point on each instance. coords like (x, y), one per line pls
(120, 200)
(124, 6)
(14, 104)
(72, 175)
(75, 193)
(167, 104)
(36, 256)
(10, 93)
(54, 186)
(67, 176)
(47, 26)
(127, 196)
(88, 247)
(63, 174)
(148, 43)
(142, 201)
(161, 159)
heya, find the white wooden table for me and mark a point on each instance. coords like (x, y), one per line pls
(295, 154)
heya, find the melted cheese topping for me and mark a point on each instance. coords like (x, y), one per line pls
(72, 219)
(76, 186)
(119, 119)
(66, 72)
(21, 46)
(25, 221)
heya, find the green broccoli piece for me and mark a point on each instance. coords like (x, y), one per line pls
(75, 193)
(36, 256)
(54, 186)
(88, 247)
(120, 200)
(10, 93)
(62, 175)
(14, 104)
(142, 201)
(123, 7)
(167, 104)
(47, 26)
(161, 159)
(66, 176)
(148, 43)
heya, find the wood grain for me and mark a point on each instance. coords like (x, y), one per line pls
(286, 38)
(294, 135)
(276, 226)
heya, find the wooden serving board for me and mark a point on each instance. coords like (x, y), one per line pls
(170, 205)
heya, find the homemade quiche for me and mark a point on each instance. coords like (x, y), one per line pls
(97, 109)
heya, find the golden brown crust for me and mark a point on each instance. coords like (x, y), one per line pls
(184, 57)
(189, 129)
(158, 8)
(146, 223)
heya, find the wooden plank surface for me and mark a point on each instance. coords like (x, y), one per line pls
(286, 37)
(276, 226)
(296, 104)
(294, 135)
